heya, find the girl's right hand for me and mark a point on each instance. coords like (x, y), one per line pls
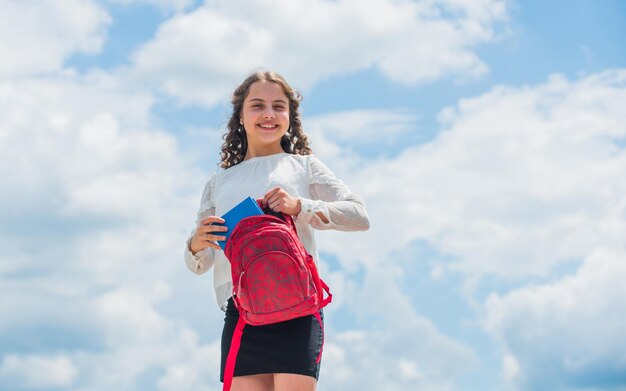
(207, 234)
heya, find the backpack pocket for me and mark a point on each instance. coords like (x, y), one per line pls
(273, 281)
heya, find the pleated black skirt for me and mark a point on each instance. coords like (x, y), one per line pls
(292, 346)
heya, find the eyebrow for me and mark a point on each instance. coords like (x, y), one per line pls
(261, 100)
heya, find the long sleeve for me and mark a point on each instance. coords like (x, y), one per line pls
(343, 210)
(203, 260)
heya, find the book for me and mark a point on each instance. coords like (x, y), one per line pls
(246, 208)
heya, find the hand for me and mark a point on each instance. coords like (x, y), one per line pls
(207, 234)
(279, 200)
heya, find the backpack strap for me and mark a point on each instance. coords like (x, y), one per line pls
(329, 297)
(235, 343)
(319, 319)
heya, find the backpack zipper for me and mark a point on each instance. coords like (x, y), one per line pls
(239, 284)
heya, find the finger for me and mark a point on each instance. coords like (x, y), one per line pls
(213, 228)
(205, 230)
(214, 245)
(278, 197)
(212, 219)
(275, 204)
(270, 194)
(213, 238)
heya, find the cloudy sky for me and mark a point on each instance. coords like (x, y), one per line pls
(488, 138)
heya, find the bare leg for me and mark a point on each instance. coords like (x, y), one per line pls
(264, 382)
(293, 382)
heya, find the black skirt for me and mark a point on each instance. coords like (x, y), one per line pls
(292, 346)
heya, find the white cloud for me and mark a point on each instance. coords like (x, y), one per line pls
(390, 347)
(196, 368)
(205, 50)
(568, 333)
(97, 201)
(128, 315)
(520, 181)
(410, 42)
(38, 372)
(364, 127)
(166, 5)
(351, 140)
(65, 136)
(90, 162)
(177, 361)
(47, 32)
(509, 147)
(77, 151)
(367, 361)
(96, 204)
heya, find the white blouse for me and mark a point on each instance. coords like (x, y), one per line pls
(302, 176)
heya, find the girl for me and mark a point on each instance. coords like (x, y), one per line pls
(266, 154)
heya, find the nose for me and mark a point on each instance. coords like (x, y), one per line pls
(268, 113)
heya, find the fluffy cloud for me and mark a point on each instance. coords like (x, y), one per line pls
(92, 269)
(94, 156)
(409, 42)
(96, 204)
(510, 148)
(97, 201)
(166, 5)
(357, 129)
(569, 333)
(47, 33)
(389, 346)
(519, 181)
(520, 184)
(38, 372)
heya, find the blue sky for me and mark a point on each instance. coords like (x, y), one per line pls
(487, 138)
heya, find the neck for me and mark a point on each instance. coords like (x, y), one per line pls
(257, 151)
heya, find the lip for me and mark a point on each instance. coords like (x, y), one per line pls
(275, 126)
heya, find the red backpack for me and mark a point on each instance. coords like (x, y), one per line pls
(274, 277)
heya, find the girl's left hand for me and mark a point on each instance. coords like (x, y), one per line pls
(279, 200)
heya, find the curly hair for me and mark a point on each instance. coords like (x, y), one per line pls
(235, 141)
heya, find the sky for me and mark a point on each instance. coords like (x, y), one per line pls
(487, 137)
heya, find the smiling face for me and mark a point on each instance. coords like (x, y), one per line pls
(265, 117)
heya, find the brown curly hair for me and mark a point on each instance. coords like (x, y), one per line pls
(235, 141)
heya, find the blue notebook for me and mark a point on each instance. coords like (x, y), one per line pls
(246, 208)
